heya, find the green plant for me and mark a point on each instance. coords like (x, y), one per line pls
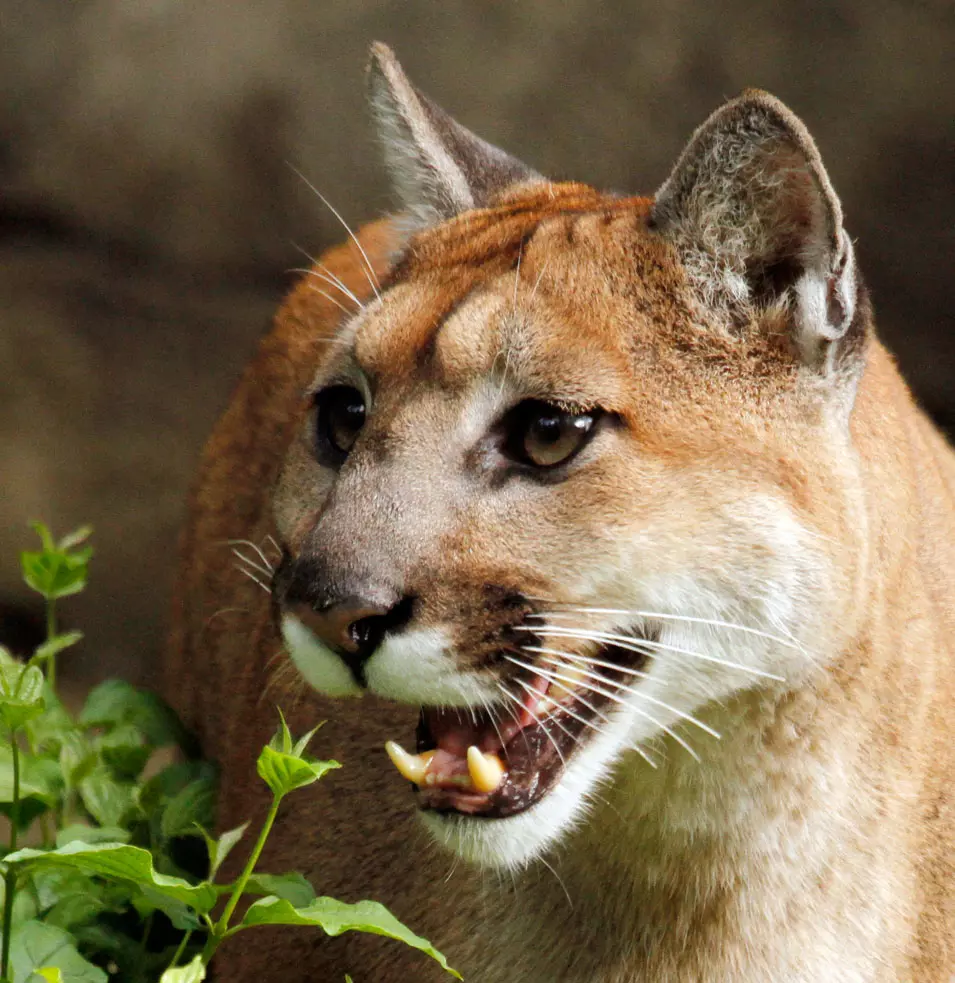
(113, 882)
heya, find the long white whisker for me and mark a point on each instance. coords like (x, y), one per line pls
(370, 274)
(540, 276)
(517, 272)
(600, 691)
(638, 645)
(540, 723)
(327, 275)
(536, 720)
(560, 881)
(331, 300)
(586, 660)
(274, 544)
(252, 565)
(253, 578)
(513, 715)
(248, 542)
(531, 691)
(660, 616)
(318, 275)
(689, 718)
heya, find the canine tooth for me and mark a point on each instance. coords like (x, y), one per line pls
(486, 770)
(411, 766)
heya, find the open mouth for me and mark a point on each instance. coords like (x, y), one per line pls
(498, 761)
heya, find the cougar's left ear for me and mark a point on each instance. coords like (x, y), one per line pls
(439, 168)
(752, 212)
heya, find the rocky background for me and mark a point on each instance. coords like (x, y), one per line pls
(149, 220)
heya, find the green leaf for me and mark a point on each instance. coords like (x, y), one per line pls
(107, 800)
(56, 573)
(56, 644)
(335, 917)
(127, 863)
(284, 772)
(48, 731)
(46, 537)
(51, 974)
(189, 809)
(293, 887)
(78, 833)
(221, 848)
(181, 915)
(124, 750)
(36, 946)
(40, 783)
(21, 693)
(116, 702)
(194, 972)
(77, 758)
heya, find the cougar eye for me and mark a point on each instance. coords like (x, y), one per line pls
(544, 435)
(339, 416)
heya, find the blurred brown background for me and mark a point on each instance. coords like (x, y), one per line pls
(147, 215)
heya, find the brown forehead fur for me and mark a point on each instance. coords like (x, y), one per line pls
(612, 322)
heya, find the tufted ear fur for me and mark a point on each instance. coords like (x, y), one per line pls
(751, 210)
(439, 168)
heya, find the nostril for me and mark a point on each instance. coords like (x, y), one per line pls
(366, 634)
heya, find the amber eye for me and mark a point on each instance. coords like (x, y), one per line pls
(339, 416)
(544, 435)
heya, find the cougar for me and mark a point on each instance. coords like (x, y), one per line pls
(611, 545)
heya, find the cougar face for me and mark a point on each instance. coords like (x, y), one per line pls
(503, 507)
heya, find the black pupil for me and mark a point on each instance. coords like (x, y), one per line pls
(341, 415)
(549, 429)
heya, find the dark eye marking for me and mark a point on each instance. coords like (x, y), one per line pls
(339, 416)
(542, 435)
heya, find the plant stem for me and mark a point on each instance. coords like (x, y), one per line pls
(177, 955)
(222, 925)
(10, 880)
(51, 633)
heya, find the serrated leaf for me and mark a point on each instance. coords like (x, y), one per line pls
(220, 848)
(78, 833)
(285, 772)
(194, 972)
(189, 809)
(336, 917)
(294, 887)
(55, 573)
(21, 694)
(107, 800)
(56, 644)
(116, 702)
(116, 860)
(37, 946)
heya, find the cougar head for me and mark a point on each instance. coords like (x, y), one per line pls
(575, 473)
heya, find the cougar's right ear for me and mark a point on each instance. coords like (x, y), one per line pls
(752, 212)
(439, 168)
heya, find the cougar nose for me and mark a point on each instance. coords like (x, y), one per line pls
(353, 627)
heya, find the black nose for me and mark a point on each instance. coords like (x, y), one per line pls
(354, 626)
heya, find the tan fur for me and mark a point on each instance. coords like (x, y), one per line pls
(815, 841)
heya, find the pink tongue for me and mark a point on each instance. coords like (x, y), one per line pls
(455, 730)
